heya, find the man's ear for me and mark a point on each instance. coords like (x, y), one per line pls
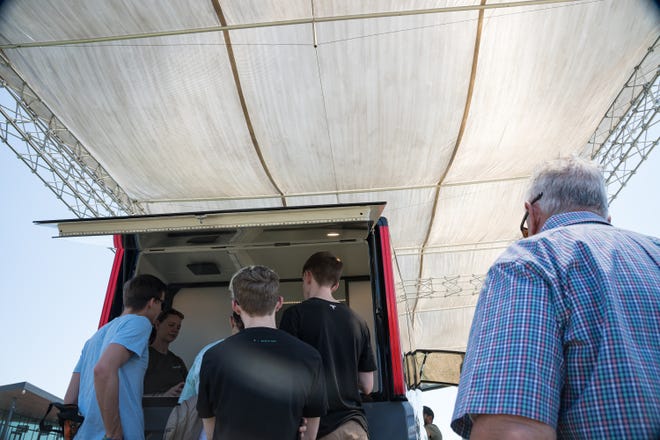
(335, 286)
(280, 302)
(235, 307)
(536, 218)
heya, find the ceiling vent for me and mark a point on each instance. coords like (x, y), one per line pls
(204, 268)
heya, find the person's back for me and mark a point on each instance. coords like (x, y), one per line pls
(339, 335)
(184, 422)
(606, 296)
(432, 431)
(265, 375)
(260, 383)
(564, 340)
(342, 337)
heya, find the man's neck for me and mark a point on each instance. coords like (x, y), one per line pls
(258, 321)
(129, 311)
(323, 293)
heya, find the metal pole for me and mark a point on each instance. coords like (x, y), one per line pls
(306, 20)
(5, 429)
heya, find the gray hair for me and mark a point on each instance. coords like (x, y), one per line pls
(569, 184)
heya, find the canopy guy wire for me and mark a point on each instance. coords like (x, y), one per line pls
(402, 298)
(325, 102)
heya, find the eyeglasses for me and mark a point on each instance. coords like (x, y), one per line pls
(523, 229)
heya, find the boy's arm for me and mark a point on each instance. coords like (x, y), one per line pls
(106, 384)
(366, 381)
(209, 426)
(71, 395)
(312, 428)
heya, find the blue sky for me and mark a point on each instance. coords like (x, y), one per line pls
(53, 289)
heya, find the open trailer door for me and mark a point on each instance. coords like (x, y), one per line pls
(197, 253)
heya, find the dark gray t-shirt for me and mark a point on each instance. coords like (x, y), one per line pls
(164, 371)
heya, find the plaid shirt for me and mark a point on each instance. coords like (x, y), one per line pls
(567, 332)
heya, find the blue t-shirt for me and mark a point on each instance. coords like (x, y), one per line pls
(566, 332)
(132, 332)
(191, 387)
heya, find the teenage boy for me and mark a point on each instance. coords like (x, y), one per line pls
(107, 381)
(260, 382)
(342, 337)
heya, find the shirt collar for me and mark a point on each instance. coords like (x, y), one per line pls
(572, 218)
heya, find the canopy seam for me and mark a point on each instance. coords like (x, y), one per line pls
(459, 138)
(241, 97)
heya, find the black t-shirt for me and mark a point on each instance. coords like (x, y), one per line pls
(164, 371)
(259, 383)
(342, 337)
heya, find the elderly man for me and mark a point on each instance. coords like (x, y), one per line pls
(565, 338)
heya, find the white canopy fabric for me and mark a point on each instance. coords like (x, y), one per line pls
(442, 114)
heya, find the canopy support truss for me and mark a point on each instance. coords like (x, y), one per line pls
(630, 129)
(441, 287)
(36, 136)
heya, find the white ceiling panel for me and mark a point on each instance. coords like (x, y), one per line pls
(478, 213)
(381, 85)
(546, 75)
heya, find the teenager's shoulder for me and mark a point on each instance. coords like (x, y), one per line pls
(323, 304)
(133, 320)
(126, 322)
(299, 345)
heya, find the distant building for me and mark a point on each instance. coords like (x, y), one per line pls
(22, 406)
